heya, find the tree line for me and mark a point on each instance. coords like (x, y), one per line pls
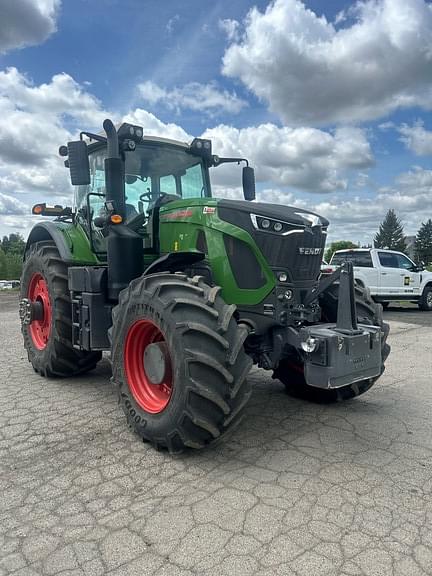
(391, 236)
(11, 255)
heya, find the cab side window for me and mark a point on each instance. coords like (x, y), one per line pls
(168, 185)
(388, 260)
(91, 199)
(192, 181)
(97, 182)
(404, 262)
(362, 259)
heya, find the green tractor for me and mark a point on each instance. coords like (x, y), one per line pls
(188, 291)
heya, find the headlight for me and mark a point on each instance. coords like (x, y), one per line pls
(310, 344)
(275, 226)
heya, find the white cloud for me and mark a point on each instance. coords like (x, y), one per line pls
(207, 98)
(34, 117)
(302, 158)
(26, 22)
(63, 95)
(311, 71)
(231, 29)
(415, 182)
(10, 206)
(152, 126)
(417, 138)
(172, 23)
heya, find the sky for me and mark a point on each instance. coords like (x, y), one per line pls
(330, 101)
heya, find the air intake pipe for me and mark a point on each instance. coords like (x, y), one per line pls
(114, 171)
(124, 246)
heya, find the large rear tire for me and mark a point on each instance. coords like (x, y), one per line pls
(48, 341)
(178, 361)
(290, 371)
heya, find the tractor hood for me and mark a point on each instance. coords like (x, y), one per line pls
(289, 214)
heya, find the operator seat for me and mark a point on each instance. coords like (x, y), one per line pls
(131, 212)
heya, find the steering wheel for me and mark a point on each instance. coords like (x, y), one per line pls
(146, 196)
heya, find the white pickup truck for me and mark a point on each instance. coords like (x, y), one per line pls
(389, 275)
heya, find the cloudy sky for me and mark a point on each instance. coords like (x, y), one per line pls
(331, 101)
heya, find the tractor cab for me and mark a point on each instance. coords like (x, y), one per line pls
(157, 170)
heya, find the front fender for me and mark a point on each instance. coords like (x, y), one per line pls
(426, 280)
(70, 240)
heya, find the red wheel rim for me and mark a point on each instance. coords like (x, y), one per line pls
(40, 330)
(152, 398)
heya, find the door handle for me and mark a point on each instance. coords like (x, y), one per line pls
(383, 273)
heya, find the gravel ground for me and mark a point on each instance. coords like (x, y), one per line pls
(299, 489)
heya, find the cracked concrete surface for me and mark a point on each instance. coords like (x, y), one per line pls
(298, 489)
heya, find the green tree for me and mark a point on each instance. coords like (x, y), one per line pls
(340, 245)
(3, 265)
(13, 266)
(423, 242)
(13, 244)
(391, 234)
(11, 254)
(4, 244)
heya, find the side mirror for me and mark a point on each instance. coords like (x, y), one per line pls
(248, 178)
(78, 162)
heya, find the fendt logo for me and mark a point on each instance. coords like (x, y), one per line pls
(310, 251)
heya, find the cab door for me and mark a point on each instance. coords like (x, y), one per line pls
(397, 275)
(411, 278)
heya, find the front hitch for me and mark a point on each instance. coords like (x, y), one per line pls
(341, 353)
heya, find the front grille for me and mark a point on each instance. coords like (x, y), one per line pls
(284, 252)
(281, 252)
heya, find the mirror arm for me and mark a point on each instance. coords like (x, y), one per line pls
(216, 160)
(96, 137)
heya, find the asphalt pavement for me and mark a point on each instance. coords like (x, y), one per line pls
(298, 489)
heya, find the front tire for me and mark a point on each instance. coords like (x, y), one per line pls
(178, 361)
(290, 371)
(425, 302)
(48, 341)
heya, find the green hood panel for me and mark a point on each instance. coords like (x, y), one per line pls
(182, 222)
